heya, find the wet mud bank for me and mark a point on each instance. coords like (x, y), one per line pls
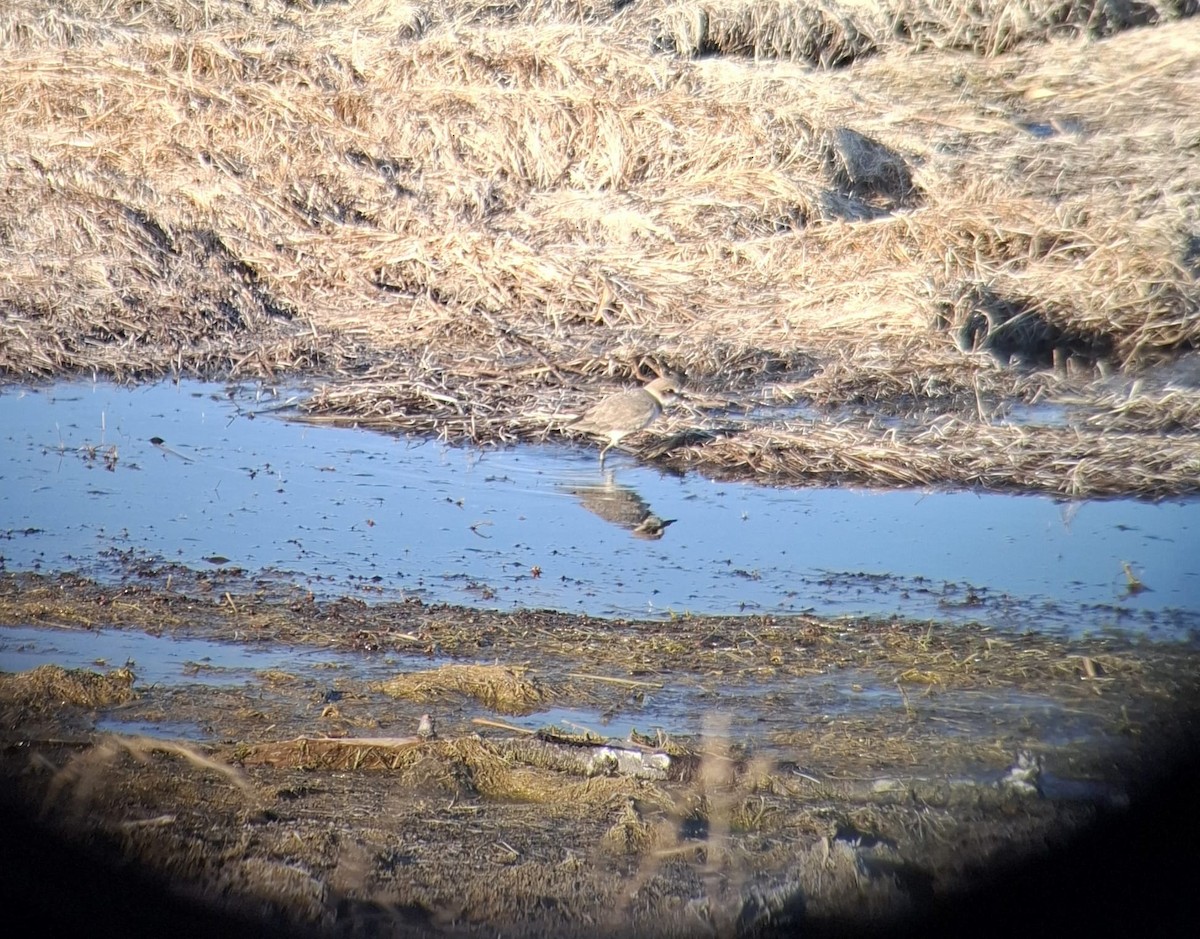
(408, 769)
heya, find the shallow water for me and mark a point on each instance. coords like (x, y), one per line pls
(165, 660)
(93, 475)
(748, 710)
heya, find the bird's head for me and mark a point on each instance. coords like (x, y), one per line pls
(667, 388)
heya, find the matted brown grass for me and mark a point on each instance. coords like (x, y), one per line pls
(472, 220)
(503, 688)
(72, 687)
(834, 33)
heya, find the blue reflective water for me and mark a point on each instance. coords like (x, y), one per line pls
(83, 484)
(154, 660)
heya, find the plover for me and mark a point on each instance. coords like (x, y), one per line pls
(627, 412)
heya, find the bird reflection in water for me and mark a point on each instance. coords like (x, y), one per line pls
(620, 505)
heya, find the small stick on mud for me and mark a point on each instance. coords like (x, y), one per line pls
(501, 725)
(624, 682)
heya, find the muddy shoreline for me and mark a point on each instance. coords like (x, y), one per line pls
(309, 799)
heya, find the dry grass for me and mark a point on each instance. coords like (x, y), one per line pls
(467, 765)
(56, 687)
(504, 689)
(463, 213)
(834, 33)
(1067, 461)
(820, 33)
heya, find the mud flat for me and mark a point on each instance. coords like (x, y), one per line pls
(583, 776)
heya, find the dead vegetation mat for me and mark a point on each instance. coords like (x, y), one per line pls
(472, 219)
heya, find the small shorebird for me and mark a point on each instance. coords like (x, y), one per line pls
(627, 412)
